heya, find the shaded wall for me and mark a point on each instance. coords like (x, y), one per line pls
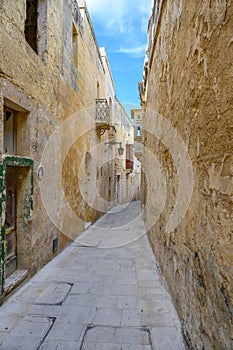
(50, 67)
(188, 80)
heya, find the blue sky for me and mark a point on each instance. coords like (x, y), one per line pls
(121, 27)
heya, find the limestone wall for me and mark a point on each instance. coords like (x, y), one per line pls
(54, 85)
(27, 84)
(188, 81)
(78, 98)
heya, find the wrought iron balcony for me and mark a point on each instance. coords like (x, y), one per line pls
(102, 111)
(102, 116)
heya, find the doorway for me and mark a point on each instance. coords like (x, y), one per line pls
(16, 182)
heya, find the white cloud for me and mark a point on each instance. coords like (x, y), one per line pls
(120, 16)
(136, 51)
(110, 14)
(125, 21)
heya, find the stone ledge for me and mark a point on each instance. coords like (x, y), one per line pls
(14, 280)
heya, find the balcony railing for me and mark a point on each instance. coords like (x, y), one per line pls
(102, 111)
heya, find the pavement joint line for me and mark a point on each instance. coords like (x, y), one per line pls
(52, 319)
(91, 326)
(95, 288)
(59, 303)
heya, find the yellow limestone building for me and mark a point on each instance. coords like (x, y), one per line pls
(57, 102)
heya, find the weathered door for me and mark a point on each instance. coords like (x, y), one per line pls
(10, 224)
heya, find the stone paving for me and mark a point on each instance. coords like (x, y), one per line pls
(103, 292)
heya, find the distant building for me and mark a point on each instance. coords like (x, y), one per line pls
(136, 115)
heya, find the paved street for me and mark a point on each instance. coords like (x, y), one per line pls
(103, 292)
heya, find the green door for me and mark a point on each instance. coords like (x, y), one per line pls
(10, 223)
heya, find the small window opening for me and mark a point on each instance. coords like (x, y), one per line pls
(75, 46)
(10, 131)
(30, 29)
(16, 133)
(98, 90)
(138, 130)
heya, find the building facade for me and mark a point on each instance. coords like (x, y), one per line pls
(54, 168)
(125, 180)
(136, 115)
(187, 99)
(128, 168)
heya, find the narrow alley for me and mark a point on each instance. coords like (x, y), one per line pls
(92, 298)
(116, 175)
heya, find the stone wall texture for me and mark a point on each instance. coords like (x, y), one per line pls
(28, 83)
(188, 81)
(51, 73)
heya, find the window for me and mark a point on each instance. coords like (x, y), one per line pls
(35, 29)
(74, 58)
(75, 46)
(10, 131)
(30, 29)
(139, 130)
(98, 90)
(16, 137)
